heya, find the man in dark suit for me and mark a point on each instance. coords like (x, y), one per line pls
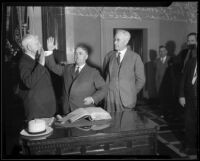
(35, 87)
(161, 66)
(163, 79)
(189, 52)
(124, 71)
(188, 100)
(83, 85)
(188, 92)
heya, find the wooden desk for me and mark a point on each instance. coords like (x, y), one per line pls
(127, 133)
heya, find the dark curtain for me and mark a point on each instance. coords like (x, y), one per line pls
(53, 24)
(12, 53)
(13, 34)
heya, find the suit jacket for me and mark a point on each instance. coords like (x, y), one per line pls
(88, 83)
(187, 89)
(36, 89)
(131, 77)
(183, 57)
(160, 71)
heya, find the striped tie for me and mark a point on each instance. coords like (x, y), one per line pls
(195, 75)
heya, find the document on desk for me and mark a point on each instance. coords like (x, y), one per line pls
(83, 122)
(90, 113)
(89, 116)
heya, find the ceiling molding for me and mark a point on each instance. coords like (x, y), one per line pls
(177, 11)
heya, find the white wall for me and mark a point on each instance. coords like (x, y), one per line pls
(175, 31)
(158, 33)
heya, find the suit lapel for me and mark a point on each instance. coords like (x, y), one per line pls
(69, 76)
(126, 59)
(113, 58)
(82, 72)
(166, 61)
(33, 62)
(72, 72)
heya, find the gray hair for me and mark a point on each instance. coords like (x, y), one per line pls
(27, 39)
(126, 34)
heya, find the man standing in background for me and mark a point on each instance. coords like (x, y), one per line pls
(124, 71)
(188, 100)
(163, 81)
(190, 52)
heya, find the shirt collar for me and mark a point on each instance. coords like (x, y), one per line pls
(80, 67)
(122, 52)
(164, 58)
(30, 55)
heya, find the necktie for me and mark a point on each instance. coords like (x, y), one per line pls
(76, 72)
(195, 75)
(118, 58)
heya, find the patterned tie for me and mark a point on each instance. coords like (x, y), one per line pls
(118, 58)
(76, 72)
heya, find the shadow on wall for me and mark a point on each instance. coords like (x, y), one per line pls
(150, 71)
(171, 47)
(184, 46)
(152, 54)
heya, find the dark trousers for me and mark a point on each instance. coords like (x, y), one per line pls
(191, 115)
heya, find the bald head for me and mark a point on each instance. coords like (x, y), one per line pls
(122, 38)
(31, 44)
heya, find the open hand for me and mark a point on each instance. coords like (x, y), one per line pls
(50, 44)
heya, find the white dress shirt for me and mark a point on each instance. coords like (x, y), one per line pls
(80, 67)
(163, 59)
(122, 54)
(33, 57)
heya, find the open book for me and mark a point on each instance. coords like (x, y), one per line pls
(91, 113)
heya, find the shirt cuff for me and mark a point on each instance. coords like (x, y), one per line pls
(47, 53)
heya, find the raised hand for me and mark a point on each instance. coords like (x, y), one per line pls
(50, 44)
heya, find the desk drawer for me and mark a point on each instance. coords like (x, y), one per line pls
(128, 144)
(135, 145)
